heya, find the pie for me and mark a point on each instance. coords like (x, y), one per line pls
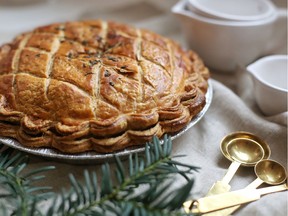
(96, 86)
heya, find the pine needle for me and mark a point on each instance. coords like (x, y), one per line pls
(143, 189)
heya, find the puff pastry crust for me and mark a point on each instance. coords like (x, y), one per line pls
(96, 85)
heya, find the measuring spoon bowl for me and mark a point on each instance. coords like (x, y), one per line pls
(242, 152)
(245, 148)
(245, 151)
(270, 172)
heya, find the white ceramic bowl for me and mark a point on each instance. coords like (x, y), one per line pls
(270, 83)
(225, 45)
(238, 10)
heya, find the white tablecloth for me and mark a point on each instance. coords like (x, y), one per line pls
(233, 107)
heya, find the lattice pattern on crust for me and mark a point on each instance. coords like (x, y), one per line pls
(96, 85)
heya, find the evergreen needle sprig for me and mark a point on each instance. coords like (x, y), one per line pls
(142, 189)
(18, 188)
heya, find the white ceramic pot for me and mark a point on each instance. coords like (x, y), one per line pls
(225, 45)
(237, 10)
(270, 83)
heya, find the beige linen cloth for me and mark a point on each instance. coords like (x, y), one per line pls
(233, 108)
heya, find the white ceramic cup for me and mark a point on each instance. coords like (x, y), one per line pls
(270, 83)
(225, 45)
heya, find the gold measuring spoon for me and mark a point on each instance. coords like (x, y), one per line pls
(268, 171)
(242, 148)
(229, 199)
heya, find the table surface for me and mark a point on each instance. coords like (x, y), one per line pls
(233, 106)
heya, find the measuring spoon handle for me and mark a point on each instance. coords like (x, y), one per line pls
(223, 185)
(228, 211)
(218, 188)
(229, 199)
(231, 172)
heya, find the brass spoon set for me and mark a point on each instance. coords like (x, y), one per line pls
(244, 149)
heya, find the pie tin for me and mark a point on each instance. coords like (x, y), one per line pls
(95, 157)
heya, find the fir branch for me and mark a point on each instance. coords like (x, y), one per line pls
(143, 189)
(18, 188)
(123, 197)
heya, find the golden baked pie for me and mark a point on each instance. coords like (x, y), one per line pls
(96, 85)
